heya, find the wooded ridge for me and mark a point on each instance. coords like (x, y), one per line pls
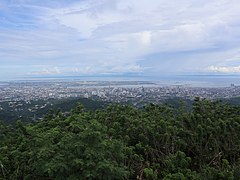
(124, 142)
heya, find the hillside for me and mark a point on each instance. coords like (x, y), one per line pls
(123, 142)
(35, 110)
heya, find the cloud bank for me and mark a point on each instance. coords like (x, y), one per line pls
(224, 69)
(94, 37)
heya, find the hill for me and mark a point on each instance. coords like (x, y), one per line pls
(35, 110)
(124, 142)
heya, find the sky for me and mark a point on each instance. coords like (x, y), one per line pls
(41, 38)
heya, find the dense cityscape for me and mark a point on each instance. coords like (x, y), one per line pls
(134, 91)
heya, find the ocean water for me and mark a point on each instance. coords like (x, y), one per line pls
(167, 80)
(200, 80)
(3, 84)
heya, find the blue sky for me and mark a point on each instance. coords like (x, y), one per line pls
(118, 37)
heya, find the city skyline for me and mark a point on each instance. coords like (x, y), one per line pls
(118, 38)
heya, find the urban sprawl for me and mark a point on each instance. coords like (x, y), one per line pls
(109, 91)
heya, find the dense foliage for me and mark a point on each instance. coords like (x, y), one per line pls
(123, 142)
(30, 111)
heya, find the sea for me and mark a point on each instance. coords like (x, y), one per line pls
(200, 80)
(167, 80)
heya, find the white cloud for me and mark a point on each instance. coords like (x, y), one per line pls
(47, 71)
(145, 37)
(94, 36)
(175, 26)
(224, 69)
(107, 68)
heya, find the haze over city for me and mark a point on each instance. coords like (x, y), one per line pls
(118, 38)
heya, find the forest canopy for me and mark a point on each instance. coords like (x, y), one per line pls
(124, 142)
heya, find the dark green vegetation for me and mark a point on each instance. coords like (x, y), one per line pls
(35, 110)
(31, 111)
(123, 142)
(234, 100)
